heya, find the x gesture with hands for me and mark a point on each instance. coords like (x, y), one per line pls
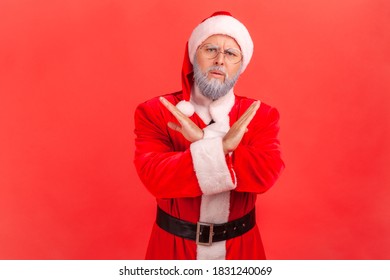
(192, 132)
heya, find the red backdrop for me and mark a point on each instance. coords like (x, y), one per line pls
(72, 73)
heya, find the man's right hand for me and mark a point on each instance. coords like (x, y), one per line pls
(234, 136)
(185, 125)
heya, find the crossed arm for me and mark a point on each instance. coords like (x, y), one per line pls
(193, 133)
(170, 174)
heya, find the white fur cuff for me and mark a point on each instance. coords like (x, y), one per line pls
(210, 166)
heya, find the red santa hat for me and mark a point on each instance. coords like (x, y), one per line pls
(218, 23)
(222, 23)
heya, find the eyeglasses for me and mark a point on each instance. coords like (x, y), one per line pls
(211, 51)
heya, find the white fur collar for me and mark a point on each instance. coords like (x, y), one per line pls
(208, 110)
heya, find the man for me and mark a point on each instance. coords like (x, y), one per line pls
(205, 153)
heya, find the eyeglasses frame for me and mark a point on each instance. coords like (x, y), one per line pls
(222, 52)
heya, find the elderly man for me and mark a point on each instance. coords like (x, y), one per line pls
(205, 153)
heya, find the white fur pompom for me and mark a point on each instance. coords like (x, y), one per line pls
(186, 108)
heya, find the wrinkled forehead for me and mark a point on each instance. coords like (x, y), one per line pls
(221, 40)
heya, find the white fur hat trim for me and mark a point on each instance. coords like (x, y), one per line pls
(225, 25)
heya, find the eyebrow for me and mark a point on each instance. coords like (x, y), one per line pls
(232, 48)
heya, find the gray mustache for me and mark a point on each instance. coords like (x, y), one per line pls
(216, 68)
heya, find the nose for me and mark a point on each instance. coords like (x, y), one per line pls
(220, 59)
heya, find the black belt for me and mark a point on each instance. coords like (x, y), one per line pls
(205, 233)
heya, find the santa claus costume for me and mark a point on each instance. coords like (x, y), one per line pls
(205, 198)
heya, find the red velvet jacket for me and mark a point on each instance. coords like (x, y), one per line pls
(189, 184)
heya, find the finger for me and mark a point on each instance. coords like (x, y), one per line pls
(247, 121)
(168, 105)
(243, 124)
(172, 108)
(252, 109)
(249, 114)
(174, 126)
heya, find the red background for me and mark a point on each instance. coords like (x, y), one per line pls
(72, 73)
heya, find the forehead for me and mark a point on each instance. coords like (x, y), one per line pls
(224, 41)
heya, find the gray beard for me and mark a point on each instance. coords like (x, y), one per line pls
(214, 88)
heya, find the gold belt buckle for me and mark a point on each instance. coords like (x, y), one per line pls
(199, 233)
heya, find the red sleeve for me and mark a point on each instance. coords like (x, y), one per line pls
(165, 170)
(257, 160)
